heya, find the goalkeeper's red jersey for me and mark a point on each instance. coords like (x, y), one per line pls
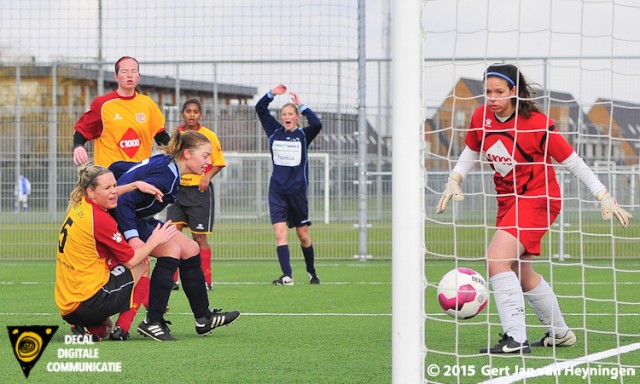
(123, 127)
(88, 237)
(519, 150)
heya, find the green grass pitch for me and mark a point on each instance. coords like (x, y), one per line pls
(337, 332)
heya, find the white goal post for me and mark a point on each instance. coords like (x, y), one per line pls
(407, 233)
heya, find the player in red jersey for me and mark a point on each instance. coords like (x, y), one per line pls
(88, 291)
(123, 125)
(519, 144)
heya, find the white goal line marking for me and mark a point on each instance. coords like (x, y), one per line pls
(334, 314)
(169, 313)
(558, 368)
(467, 321)
(329, 283)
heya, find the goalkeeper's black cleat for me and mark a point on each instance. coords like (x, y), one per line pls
(547, 340)
(507, 345)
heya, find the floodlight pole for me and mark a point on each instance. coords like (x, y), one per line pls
(362, 134)
(100, 69)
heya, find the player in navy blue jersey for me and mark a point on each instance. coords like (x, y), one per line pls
(189, 152)
(288, 204)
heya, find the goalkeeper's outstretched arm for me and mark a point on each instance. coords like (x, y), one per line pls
(608, 205)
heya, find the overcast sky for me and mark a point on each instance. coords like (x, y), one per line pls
(517, 30)
(455, 30)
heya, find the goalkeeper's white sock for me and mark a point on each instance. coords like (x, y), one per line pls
(509, 299)
(545, 305)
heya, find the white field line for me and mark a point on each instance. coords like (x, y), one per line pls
(557, 369)
(267, 283)
(326, 283)
(242, 314)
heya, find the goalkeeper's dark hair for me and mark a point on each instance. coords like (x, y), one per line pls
(87, 178)
(514, 78)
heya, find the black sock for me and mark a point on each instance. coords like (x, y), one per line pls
(285, 259)
(308, 259)
(160, 286)
(194, 286)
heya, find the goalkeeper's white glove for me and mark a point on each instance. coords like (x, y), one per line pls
(609, 207)
(451, 189)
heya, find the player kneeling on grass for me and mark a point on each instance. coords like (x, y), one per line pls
(87, 290)
(519, 143)
(187, 152)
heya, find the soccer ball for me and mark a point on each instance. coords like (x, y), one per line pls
(463, 293)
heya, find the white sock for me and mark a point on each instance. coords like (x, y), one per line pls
(545, 305)
(509, 298)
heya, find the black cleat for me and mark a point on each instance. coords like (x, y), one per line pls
(158, 331)
(176, 286)
(313, 279)
(80, 330)
(218, 319)
(508, 345)
(547, 341)
(118, 334)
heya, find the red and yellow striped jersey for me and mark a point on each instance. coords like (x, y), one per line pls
(88, 237)
(123, 127)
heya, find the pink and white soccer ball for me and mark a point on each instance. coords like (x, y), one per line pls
(463, 293)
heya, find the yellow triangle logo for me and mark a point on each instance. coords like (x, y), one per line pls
(29, 342)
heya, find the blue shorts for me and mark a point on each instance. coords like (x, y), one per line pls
(114, 297)
(292, 209)
(146, 226)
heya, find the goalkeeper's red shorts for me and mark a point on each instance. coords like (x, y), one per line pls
(527, 218)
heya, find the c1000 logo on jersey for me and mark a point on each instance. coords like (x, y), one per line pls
(129, 143)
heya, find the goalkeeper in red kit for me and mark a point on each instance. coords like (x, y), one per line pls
(519, 143)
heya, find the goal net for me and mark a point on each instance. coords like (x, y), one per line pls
(582, 58)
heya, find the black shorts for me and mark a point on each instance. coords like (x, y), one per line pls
(193, 209)
(114, 297)
(292, 209)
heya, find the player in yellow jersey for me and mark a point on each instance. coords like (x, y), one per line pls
(123, 125)
(88, 290)
(195, 205)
